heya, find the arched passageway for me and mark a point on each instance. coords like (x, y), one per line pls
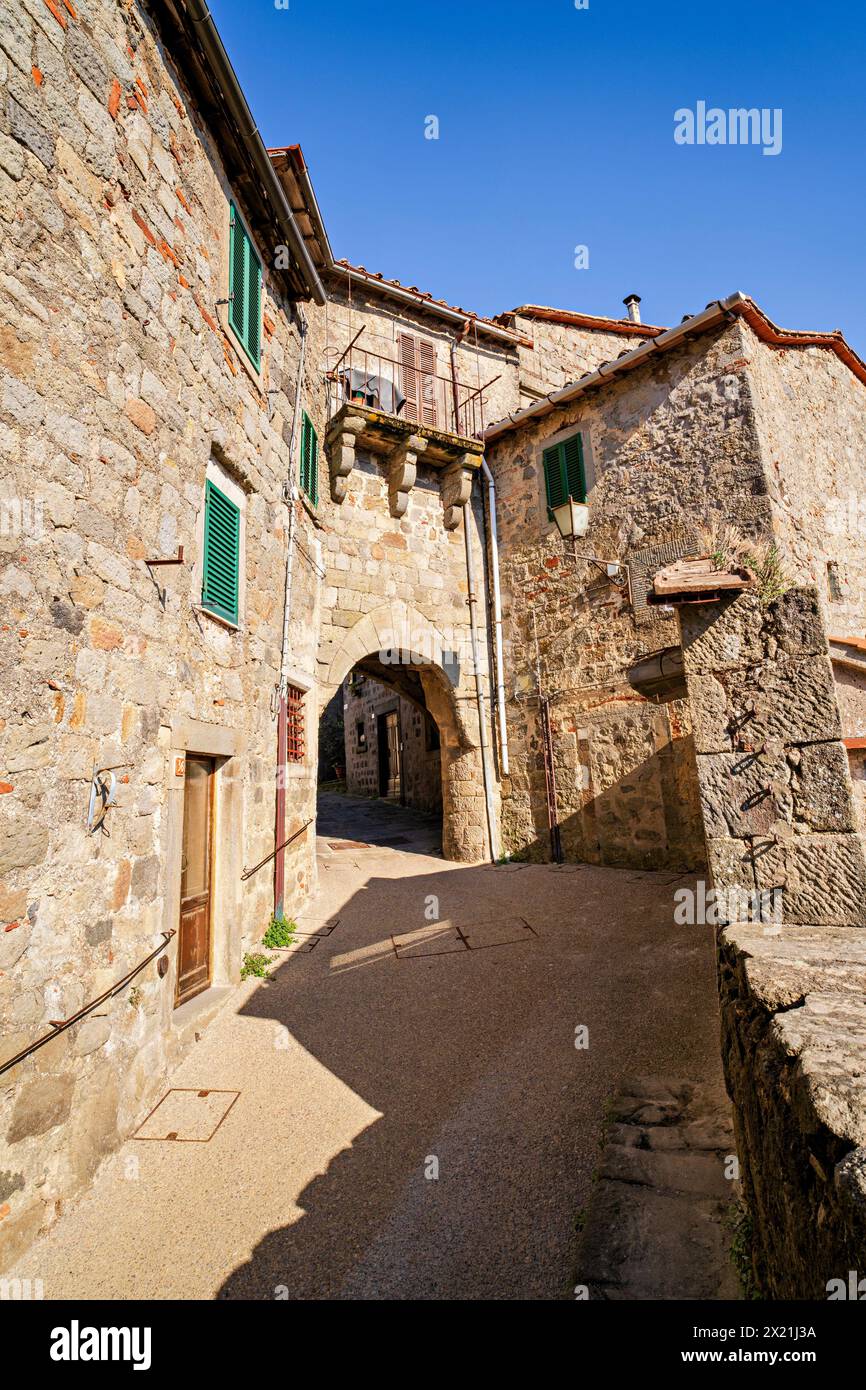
(405, 654)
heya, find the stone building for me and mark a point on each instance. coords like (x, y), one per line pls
(694, 429)
(238, 476)
(152, 382)
(392, 746)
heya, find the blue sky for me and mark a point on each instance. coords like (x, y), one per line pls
(556, 130)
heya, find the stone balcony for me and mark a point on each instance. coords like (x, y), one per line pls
(402, 444)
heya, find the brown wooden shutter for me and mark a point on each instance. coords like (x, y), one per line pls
(409, 376)
(427, 363)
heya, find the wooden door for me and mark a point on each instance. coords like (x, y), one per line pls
(389, 754)
(194, 939)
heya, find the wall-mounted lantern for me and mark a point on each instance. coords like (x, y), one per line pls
(572, 519)
(572, 522)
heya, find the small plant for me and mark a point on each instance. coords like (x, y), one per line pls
(739, 1222)
(135, 997)
(280, 933)
(764, 563)
(728, 548)
(255, 963)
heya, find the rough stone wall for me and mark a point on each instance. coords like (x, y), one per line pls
(773, 773)
(779, 820)
(562, 353)
(118, 390)
(669, 446)
(810, 413)
(421, 777)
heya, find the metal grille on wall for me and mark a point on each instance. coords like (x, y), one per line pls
(295, 724)
(643, 566)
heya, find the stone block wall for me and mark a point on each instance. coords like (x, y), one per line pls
(779, 820)
(562, 353)
(810, 413)
(773, 773)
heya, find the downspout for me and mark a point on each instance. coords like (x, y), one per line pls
(479, 693)
(291, 493)
(497, 618)
(494, 552)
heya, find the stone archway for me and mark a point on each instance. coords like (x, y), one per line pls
(399, 636)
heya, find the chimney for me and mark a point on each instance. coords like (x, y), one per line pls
(632, 302)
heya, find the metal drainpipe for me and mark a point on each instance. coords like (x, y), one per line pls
(486, 771)
(497, 619)
(282, 715)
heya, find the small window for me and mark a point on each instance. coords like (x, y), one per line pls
(431, 735)
(309, 460)
(222, 535)
(294, 725)
(564, 474)
(245, 290)
(361, 733)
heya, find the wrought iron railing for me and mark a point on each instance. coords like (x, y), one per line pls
(410, 390)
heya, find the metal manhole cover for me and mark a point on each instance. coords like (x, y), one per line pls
(187, 1115)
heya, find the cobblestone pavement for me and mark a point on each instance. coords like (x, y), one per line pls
(413, 1117)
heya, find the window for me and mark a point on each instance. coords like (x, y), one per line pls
(222, 535)
(294, 724)
(245, 290)
(564, 474)
(431, 734)
(361, 735)
(309, 460)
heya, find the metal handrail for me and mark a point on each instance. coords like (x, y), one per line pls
(248, 873)
(60, 1027)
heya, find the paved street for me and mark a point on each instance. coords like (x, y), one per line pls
(426, 1026)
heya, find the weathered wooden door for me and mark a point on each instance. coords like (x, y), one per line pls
(389, 754)
(194, 939)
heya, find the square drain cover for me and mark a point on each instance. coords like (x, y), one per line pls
(436, 940)
(317, 926)
(187, 1116)
(499, 931)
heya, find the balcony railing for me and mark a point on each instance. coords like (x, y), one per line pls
(410, 391)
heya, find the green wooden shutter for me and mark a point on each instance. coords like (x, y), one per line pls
(554, 481)
(309, 460)
(222, 534)
(564, 475)
(572, 450)
(245, 290)
(237, 275)
(254, 307)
